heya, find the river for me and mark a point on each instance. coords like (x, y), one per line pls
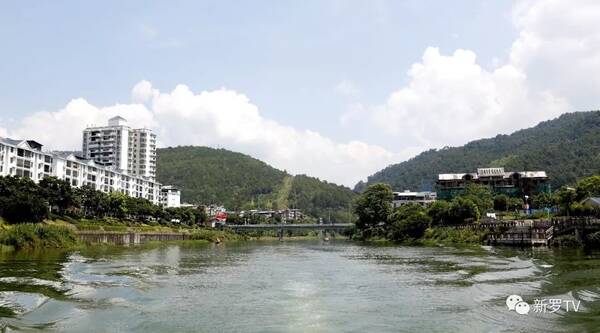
(296, 286)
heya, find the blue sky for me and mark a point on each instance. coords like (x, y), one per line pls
(287, 56)
(303, 64)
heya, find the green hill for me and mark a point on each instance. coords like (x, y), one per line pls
(240, 182)
(567, 148)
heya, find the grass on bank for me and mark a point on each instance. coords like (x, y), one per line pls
(61, 233)
(29, 236)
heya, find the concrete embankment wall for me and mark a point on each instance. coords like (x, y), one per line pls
(121, 238)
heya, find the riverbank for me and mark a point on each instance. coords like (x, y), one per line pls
(81, 233)
(61, 234)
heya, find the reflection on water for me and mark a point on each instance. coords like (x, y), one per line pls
(295, 287)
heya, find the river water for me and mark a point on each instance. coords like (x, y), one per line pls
(296, 286)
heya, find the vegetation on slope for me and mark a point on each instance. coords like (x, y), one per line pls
(218, 176)
(240, 182)
(321, 199)
(567, 148)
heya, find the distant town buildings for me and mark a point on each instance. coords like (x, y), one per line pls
(513, 183)
(115, 159)
(421, 198)
(283, 214)
(117, 145)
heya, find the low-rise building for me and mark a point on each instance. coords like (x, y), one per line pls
(512, 183)
(422, 198)
(291, 214)
(170, 197)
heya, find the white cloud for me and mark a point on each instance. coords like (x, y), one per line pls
(451, 99)
(221, 118)
(143, 92)
(61, 130)
(559, 48)
(347, 88)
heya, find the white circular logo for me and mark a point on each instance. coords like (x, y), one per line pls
(512, 300)
(522, 308)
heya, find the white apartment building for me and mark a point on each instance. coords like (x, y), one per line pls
(79, 172)
(131, 151)
(25, 158)
(170, 196)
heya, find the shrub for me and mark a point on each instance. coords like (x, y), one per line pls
(456, 236)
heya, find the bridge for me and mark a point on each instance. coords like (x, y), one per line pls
(323, 229)
(318, 227)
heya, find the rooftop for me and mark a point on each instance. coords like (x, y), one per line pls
(492, 172)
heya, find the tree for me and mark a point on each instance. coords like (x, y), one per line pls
(20, 200)
(586, 187)
(438, 212)
(481, 195)
(93, 203)
(566, 196)
(515, 204)
(24, 208)
(58, 193)
(463, 210)
(543, 200)
(117, 204)
(373, 208)
(409, 222)
(501, 202)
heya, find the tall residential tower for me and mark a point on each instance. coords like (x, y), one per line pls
(132, 151)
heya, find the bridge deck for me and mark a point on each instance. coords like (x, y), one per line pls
(336, 226)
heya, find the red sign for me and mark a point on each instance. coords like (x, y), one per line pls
(221, 216)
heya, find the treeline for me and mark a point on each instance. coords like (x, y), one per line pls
(377, 218)
(565, 147)
(321, 199)
(24, 201)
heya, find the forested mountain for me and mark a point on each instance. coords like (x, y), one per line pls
(237, 181)
(567, 148)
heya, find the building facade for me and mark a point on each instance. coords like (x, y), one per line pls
(170, 196)
(406, 197)
(131, 151)
(513, 183)
(25, 158)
